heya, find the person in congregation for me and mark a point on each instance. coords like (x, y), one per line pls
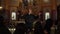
(19, 15)
(38, 29)
(48, 25)
(29, 19)
(3, 28)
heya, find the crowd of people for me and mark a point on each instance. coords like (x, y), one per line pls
(28, 27)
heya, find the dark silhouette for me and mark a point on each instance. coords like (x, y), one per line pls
(3, 28)
(48, 25)
(20, 29)
(29, 19)
(56, 22)
(19, 15)
(38, 28)
(58, 12)
(58, 19)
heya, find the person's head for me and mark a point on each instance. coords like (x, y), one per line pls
(30, 11)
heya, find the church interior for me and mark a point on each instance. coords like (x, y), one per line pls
(44, 13)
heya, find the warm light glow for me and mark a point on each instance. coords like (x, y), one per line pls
(46, 0)
(47, 15)
(13, 16)
(30, 1)
(1, 7)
